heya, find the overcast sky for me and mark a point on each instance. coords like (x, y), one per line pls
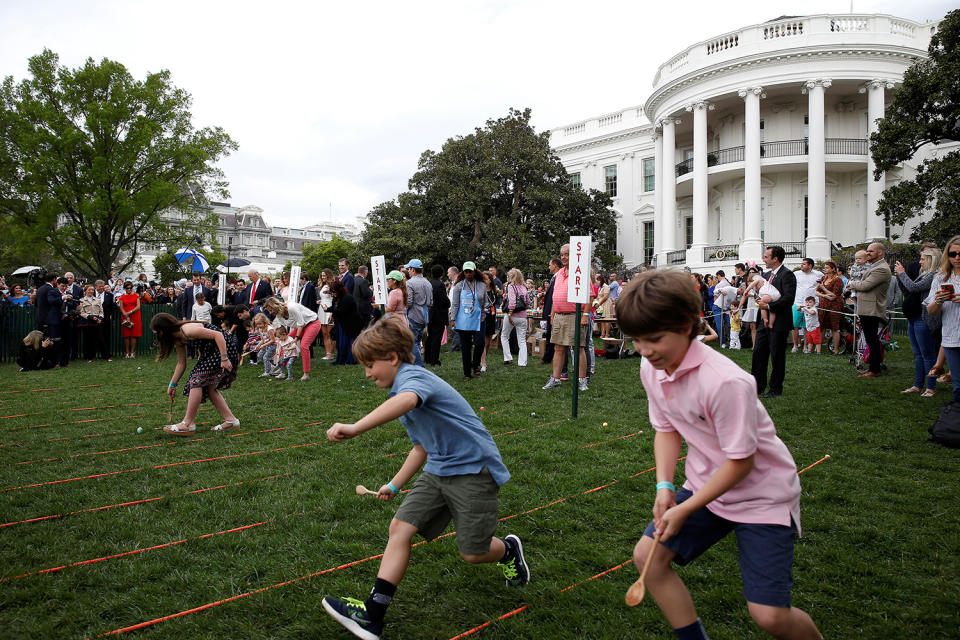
(333, 102)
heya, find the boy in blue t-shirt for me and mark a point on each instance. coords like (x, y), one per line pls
(462, 473)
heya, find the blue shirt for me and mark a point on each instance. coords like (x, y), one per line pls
(446, 426)
(614, 289)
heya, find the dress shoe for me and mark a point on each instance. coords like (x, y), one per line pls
(869, 374)
(769, 394)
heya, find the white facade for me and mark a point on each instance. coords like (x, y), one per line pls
(753, 138)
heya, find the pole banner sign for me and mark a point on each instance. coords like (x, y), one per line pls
(222, 289)
(378, 266)
(578, 286)
(293, 294)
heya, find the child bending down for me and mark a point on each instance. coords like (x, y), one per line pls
(462, 473)
(740, 477)
(766, 292)
(266, 344)
(288, 349)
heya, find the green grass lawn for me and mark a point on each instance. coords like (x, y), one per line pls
(881, 517)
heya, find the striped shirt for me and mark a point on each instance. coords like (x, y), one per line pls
(950, 311)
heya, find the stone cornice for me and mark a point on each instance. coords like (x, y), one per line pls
(779, 59)
(614, 136)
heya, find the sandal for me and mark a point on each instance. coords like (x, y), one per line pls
(937, 370)
(226, 424)
(946, 378)
(913, 389)
(928, 393)
(180, 429)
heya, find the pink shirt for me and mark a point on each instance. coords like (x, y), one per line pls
(395, 305)
(712, 403)
(560, 304)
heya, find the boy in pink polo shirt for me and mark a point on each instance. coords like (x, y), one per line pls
(740, 476)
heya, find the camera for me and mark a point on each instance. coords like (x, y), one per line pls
(71, 308)
(37, 277)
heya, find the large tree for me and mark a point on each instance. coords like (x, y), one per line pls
(326, 254)
(498, 196)
(925, 111)
(91, 157)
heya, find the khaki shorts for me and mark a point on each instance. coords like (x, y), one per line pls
(564, 325)
(469, 500)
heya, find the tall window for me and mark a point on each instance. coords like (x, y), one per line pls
(649, 174)
(610, 180)
(575, 179)
(648, 242)
(763, 150)
(688, 230)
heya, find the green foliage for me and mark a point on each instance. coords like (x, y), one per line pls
(497, 196)
(326, 254)
(90, 157)
(925, 111)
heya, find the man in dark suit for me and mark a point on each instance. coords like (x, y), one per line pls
(256, 292)
(363, 296)
(106, 301)
(190, 295)
(438, 316)
(308, 293)
(236, 295)
(772, 342)
(71, 332)
(43, 302)
(345, 276)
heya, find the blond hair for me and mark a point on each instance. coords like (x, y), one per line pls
(935, 257)
(387, 336)
(34, 339)
(657, 301)
(515, 276)
(261, 318)
(945, 266)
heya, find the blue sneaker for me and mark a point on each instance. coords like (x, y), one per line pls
(515, 570)
(352, 614)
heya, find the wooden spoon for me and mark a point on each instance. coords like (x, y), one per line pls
(637, 590)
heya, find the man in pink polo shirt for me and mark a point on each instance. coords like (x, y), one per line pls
(740, 476)
(563, 320)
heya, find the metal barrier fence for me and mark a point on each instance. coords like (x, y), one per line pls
(17, 322)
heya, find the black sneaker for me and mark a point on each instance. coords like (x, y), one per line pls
(515, 570)
(352, 614)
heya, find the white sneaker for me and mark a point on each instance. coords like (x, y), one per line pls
(264, 375)
(582, 386)
(794, 350)
(483, 369)
(552, 383)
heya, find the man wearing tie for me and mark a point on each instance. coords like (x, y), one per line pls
(772, 342)
(106, 302)
(190, 297)
(345, 276)
(256, 292)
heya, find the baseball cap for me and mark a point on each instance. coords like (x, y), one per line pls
(416, 264)
(469, 266)
(396, 275)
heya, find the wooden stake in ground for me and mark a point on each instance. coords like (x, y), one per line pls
(637, 590)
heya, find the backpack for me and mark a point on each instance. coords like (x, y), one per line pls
(946, 429)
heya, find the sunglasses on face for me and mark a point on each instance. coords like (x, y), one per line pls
(468, 270)
(953, 254)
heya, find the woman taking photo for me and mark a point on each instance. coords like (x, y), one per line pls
(466, 314)
(216, 368)
(301, 323)
(919, 320)
(348, 322)
(830, 294)
(130, 328)
(944, 301)
(36, 352)
(326, 318)
(91, 316)
(397, 297)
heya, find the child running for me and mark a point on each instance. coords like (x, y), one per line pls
(740, 476)
(460, 480)
(287, 351)
(766, 292)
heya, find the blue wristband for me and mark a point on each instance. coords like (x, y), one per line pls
(172, 385)
(392, 488)
(666, 485)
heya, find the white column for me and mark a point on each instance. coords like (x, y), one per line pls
(658, 196)
(700, 192)
(751, 247)
(669, 187)
(818, 247)
(876, 228)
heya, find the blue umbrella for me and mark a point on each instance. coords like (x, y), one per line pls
(196, 261)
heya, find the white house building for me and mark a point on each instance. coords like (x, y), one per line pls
(752, 138)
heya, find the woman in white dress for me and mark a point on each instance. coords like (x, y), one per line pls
(750, 315)
(326, 317)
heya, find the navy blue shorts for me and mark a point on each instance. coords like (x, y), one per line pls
(765, 551)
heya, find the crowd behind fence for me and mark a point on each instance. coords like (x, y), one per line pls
(16, 322)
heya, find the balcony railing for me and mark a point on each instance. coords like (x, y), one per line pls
(721, 252)
(791, 249)
(677, 257)
(780, 149)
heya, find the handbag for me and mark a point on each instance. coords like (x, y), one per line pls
(946, 429)
(520, 303)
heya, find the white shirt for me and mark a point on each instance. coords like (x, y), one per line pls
(806, 286)
(297, 316)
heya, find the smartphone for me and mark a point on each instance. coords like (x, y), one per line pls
(947, 287)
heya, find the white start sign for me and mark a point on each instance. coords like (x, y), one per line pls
(293, 293)
(378, 266)
(222, 289)
(578, 284)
